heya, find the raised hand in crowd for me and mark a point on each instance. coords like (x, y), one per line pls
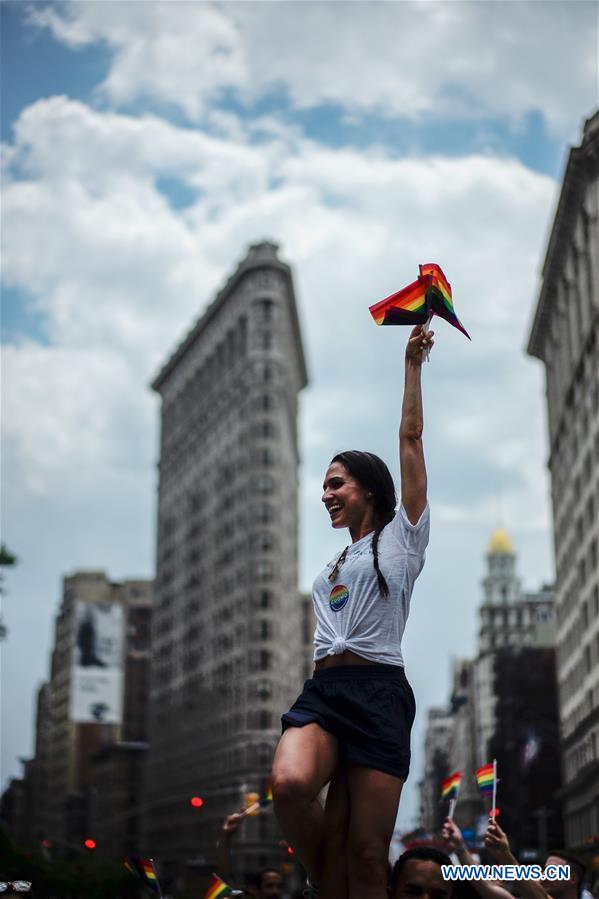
(453, 839)
(223, 857)
(496, 841)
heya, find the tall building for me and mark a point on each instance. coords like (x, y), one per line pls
(462, 753)
(94, 694)
(493, 715)
(565, 337)
(227, 631)
(509, 619)
(525, 743)
(439, 726)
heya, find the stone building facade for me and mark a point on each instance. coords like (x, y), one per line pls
(228, 650)
(58, 783)
(565, 337)
(438, 733)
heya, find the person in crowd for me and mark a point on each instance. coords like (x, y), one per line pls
(498, 845)
(566, 889)
(351, 724)
(417, 875)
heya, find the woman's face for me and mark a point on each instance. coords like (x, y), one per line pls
(347, 501)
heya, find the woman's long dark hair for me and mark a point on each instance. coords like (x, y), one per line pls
(372, 473)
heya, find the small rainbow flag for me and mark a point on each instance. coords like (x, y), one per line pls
(406, 307)
(144, 867)
(451, 785)
(440, 298)
(267, 798)
(485, 778)
(219, 889)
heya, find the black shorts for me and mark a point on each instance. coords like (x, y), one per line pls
(369, 708)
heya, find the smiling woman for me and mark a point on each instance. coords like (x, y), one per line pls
(350, 727)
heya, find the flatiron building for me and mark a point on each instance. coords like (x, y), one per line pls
(228, 645)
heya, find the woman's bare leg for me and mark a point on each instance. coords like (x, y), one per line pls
(374, 800)
(332, 879)
(305, 760)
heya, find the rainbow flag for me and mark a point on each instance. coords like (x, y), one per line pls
(440, 298)
(408, 306)
(267, 798)
(485, 778)
(218, 889)
(451, 785)
(144, 868)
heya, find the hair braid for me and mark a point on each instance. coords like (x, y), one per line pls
(375, 552)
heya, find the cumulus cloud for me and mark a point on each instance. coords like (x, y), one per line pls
(409, 59)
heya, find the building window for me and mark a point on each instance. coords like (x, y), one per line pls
(265, 660)
(264, 569)
(264, 483)
(265, 513)
(265, 310)
(265, 541)
(265, 719)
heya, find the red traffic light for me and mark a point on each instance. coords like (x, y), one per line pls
(90, 844)
(290, 851)
(197, 801)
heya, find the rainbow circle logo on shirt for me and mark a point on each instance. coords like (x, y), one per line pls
(338, 598)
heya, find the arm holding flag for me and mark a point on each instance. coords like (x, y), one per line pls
(411, 454)
(497, 843)
(452, 836)
(223, 857)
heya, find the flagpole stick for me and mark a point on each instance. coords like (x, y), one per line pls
(494, 787)
(427, 352)
(452, 803)
(249, 809)
(160, 893)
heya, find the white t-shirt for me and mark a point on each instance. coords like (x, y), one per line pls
(351, 613)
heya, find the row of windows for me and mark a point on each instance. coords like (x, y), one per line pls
(581, 712)
(582, 410)
(215, 369)
(582, 755)
(573, 581)
(572, 309)
(588, 657)
(569, 505)
(570, 642)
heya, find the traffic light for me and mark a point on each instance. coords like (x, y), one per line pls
(90, 844)
(196, 801)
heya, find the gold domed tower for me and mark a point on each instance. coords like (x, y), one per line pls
(500, 543)
(501, 585)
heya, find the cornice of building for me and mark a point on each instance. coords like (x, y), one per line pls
(582, 162)
(260, 256)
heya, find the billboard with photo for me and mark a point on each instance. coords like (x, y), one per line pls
(97, 671)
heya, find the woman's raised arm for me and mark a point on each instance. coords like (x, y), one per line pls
(411, 453)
